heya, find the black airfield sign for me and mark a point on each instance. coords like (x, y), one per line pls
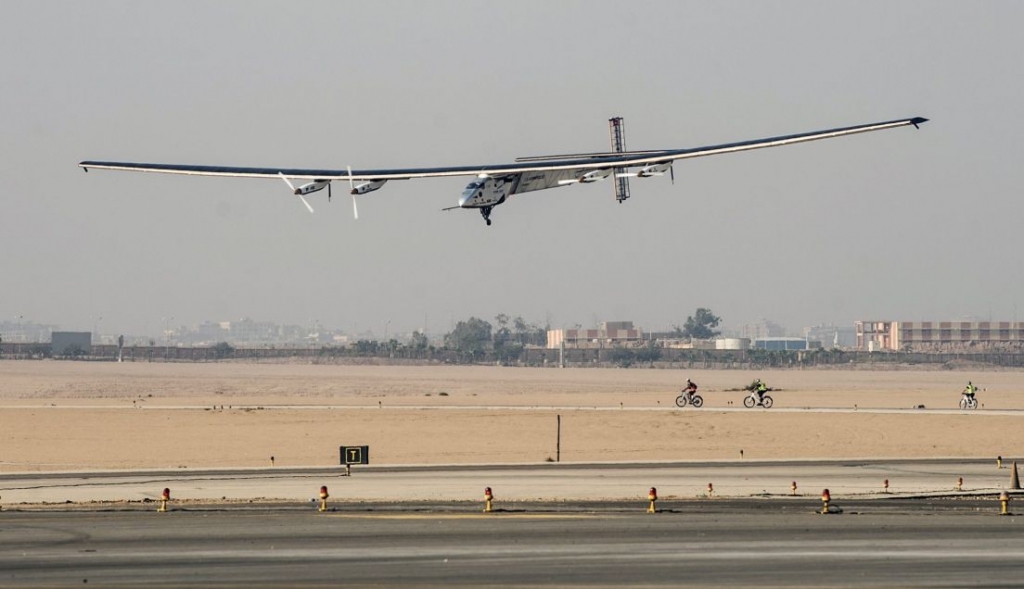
(355, 455)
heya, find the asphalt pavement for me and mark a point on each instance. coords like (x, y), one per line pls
(551, 525)
(737, 543)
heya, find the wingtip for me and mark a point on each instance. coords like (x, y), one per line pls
(916, 121)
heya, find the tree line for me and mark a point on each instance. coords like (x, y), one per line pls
(475, 336)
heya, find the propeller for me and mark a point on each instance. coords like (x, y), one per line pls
(352, 189)
(296, 193)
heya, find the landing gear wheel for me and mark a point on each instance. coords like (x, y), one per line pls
(485, 212)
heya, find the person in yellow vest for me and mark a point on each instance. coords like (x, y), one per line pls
(761, 390)
(969, 390)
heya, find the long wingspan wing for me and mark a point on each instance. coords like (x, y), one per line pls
(549, 172)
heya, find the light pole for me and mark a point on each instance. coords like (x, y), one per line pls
(167, 335)
(314, 335)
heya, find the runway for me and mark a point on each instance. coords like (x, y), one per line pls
(552, 525)
(737, 543)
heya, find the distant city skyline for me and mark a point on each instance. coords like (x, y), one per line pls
(200, 333)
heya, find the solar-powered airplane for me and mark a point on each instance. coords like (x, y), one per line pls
(492, 185)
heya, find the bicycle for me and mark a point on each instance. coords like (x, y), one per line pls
(751, 400)
(696, 400)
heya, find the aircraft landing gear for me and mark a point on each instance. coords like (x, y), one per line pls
(485, 212)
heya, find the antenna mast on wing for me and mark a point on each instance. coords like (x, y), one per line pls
(617, 130)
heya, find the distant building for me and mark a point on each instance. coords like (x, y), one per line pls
(248, 331)
(785, 343)
(732, 343)
(683, 343)
(832, 336)
(898, 335)
(210, 332)
(66, 342)
(763, 329)
(609, 334)
(25, 332)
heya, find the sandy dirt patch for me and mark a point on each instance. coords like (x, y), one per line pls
(74, 415)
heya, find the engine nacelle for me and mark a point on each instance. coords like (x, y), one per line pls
(657, 169)
(595, 175)
(368, 187)
(312, 187)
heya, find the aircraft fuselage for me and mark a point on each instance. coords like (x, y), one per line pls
(486, 192)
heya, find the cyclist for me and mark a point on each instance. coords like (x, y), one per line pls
(760, 389)
(691, 388)
(969, 390)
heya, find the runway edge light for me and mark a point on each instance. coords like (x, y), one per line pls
(165, 496)
(323, 499)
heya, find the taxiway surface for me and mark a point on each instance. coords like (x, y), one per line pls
(736, 543)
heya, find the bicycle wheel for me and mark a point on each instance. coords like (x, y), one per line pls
(681, 401)
(748, 402)
(767, 402)
(963, 403)
(698, 401)
(972, 404)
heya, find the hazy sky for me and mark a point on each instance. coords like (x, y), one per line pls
(901, 224)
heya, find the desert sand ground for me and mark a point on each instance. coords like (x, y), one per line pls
(88, 416)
